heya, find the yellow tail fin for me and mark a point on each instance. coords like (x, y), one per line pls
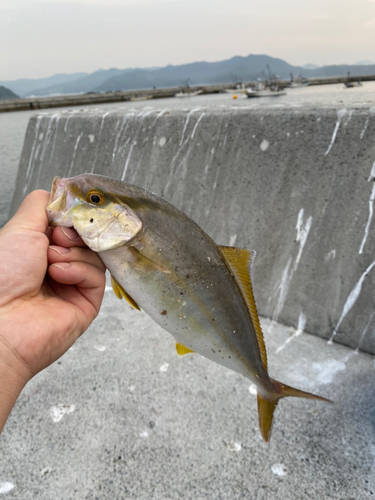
(267, 406)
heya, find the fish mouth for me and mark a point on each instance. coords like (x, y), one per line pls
(60, 202)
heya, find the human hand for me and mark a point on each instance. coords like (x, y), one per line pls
(49, 295)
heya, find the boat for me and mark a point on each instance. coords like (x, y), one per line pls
(188, 94)
(262, 90)
(350, 85)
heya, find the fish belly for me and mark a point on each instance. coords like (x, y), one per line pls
(196, 314)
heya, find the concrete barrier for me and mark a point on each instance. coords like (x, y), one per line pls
(296, 185)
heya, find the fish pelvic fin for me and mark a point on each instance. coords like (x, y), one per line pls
(267, 405)
(122, 294)
(239, 261)
(182, 350)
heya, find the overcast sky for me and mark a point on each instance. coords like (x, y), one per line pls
(39, 38)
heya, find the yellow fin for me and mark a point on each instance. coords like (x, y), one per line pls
(120, 293)
(146, 261)
(239, 261)
(266, 409)
(267, 405)
(182, 350)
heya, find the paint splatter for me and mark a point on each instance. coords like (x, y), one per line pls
(5, 487)
(57, 412)
(164, 367)
(350, 301)
(279, 469)
(340, 115)
(234, 446)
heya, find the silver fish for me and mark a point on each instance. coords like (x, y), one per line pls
(161, 261)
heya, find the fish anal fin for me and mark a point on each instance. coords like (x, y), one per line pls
(239, 261)
(182, 350)
(122, 294)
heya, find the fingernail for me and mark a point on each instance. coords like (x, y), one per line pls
(70, 233)
(62, 265)
(59, 250)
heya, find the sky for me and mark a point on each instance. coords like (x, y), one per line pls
(39, 38)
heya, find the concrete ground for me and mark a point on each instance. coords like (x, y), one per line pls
(120, 416)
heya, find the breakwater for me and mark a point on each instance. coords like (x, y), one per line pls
(35, 103)
(296, 185)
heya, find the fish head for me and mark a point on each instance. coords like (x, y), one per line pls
(101, 218)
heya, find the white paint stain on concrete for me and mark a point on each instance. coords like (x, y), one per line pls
(350, 301)
(196, 125)
(327, 370)
(283, 287)
(57, 412)
(162, 142)
(264, 145)
(340, 115)
(143, 435)
(100, 348)
(372, 112)
(297, 333)
(164, 367)
(186, 124)
(370, 207)
(302, 234)
(127, 162)
(5, 487)
(234, 446)
(91, 138)
(279, 469)
(330, 256)
(74, 154)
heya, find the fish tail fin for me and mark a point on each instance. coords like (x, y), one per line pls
(267, 405)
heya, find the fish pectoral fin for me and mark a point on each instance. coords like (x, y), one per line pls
(182, 350)
(239, 261)
(146, 261)
(121, 294)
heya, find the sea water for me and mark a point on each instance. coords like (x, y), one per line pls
(13, 125)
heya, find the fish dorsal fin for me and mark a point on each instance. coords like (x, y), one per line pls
(121, 294)
(182, 350)
(239, 261)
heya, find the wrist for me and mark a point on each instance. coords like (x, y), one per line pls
(13, 378)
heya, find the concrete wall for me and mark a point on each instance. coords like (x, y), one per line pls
(295, 185)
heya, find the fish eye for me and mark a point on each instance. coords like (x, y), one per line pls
(95, 198)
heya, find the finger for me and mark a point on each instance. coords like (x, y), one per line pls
(66, 237)
(32, 214)
(58, 254)
(89, 283)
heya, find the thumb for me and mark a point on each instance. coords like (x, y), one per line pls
(32, 214)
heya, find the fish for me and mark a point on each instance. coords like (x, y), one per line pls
(163, 263)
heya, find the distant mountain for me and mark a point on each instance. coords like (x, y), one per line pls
(201, 73)
(310, 66)
(7, 93)
(364, 63)
(85, 84)
(24, 86)
(238, 68)
(341, 70)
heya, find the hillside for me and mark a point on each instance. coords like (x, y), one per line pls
(236, 69)
(201, 73)
(6, 93)
(25, 86)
